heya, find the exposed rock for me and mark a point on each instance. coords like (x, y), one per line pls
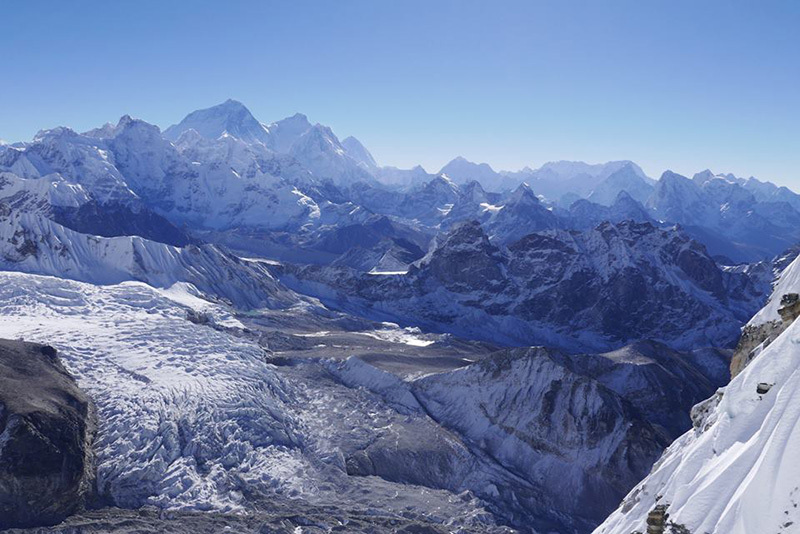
(790, 307)
(702, 413)
(111, 220)
(516, 428)
(578, 291)
(754, 339)
(657, 519)
(661, 383)
(763, 388)
(46, 464)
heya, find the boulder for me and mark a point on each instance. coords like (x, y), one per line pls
(46, 467)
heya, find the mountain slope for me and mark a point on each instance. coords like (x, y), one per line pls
(320, 151)
(592, 290)
(725, 216)
(566, 443)
(735, 471)
(628, 179)
(572, 179)
(359, 153)
(33, 244)
(463, 171)
(230, 117)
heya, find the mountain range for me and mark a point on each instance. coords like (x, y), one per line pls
(271, 324)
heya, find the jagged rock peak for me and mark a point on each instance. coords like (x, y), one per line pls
(523, 194)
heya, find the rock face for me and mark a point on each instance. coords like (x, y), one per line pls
(755, 338)
(578, 291)
(46, 470)
(549, 449)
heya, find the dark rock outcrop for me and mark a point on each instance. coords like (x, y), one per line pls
(112, 220)
(46, 468)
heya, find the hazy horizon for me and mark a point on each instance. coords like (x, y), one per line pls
(676, 86)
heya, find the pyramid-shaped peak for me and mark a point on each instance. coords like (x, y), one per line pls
(523, 194)
(230, 117)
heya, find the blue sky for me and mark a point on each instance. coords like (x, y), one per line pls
(682, 85)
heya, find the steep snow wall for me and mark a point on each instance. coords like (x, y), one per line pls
(737, 470)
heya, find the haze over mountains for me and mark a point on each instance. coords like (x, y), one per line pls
(268, 319)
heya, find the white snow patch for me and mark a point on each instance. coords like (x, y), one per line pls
(409, 336)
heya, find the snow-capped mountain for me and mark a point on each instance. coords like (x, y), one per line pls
(78, 159)
(520, 407)
(359, 153)
(725, 216)
(522, 213)
(41, 195)
(517, 407)
(431, 202)
(225, 172)
(205, 183)
(32, 243)
(590, 290)
(402, 178)
(584, 214)
(285, 132)
(462, 171)
(229, 118)
(628, 179)
(320, 151)
(576, 179)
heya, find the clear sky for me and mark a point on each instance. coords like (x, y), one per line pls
(683, 85)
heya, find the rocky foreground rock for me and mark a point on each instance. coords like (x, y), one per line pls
(46, 426)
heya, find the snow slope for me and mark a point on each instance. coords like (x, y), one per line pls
(31, 243)
(40, 194)
(228, 118)
(736, 472)
(787, 282)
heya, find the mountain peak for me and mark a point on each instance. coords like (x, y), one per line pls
(442, 178)
(285, 132)
(669, 176)
(57, 132)
(461, 171)
(523, 194)
(298, 121)
(358, 152)
(703, 176)
(623, 197)
(230, 117)
(127, 123)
